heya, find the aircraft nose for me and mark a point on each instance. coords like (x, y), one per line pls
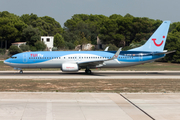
(6, 62)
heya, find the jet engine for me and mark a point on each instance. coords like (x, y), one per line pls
(70, 67)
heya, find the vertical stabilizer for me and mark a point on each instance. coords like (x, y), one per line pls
(157, 41)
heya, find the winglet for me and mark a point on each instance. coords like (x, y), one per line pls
(106, 48)
(116, 54)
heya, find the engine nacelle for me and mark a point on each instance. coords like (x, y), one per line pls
(70, 67)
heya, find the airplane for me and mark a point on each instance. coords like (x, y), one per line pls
(73, 61)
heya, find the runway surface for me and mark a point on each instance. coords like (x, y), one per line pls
(89, 106)
(94, 75)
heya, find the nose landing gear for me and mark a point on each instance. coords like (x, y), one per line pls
(21, 71)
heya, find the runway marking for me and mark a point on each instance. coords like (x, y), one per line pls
(137, 107)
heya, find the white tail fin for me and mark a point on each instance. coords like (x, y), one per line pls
(157, 41)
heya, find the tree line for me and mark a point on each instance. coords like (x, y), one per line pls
(115, 31)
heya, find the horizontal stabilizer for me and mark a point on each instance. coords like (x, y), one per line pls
(164, 52)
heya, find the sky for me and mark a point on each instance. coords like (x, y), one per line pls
(61, 10)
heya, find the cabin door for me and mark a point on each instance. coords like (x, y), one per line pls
(24, 58)
(141, 57)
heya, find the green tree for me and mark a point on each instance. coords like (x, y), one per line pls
(46, 24)
(33, 48)
(128, 16)
(28, 19)
(83, 39)
(70, 45)
(112, 47)
(14, 50)
(2, 51)
(31, 35)
(54, 26)
(40, 46)
(59, 41)
(115, 16)
(10, 28)
(173, 43)
(76, 42)
(83, 23)
(24, 47)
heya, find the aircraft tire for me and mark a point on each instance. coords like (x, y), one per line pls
(21, 71)
(88, 71)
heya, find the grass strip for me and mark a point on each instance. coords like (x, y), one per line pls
(89, 85)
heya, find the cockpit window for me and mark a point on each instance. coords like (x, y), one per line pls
(13, 57)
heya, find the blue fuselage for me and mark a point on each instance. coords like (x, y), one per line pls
(55, 59)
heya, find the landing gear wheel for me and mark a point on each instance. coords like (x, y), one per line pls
(21, 71)
(88, 71)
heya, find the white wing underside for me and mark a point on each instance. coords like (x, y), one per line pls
(99, 63)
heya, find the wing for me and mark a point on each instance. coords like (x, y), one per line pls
(91, 64)
(98, 63)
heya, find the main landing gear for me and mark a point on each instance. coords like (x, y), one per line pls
(88, 71)
(21, 71)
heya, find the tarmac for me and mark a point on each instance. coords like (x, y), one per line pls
(89, 106)
(94, 75)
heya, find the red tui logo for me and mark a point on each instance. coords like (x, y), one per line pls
(158, 45)
(34, 55)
